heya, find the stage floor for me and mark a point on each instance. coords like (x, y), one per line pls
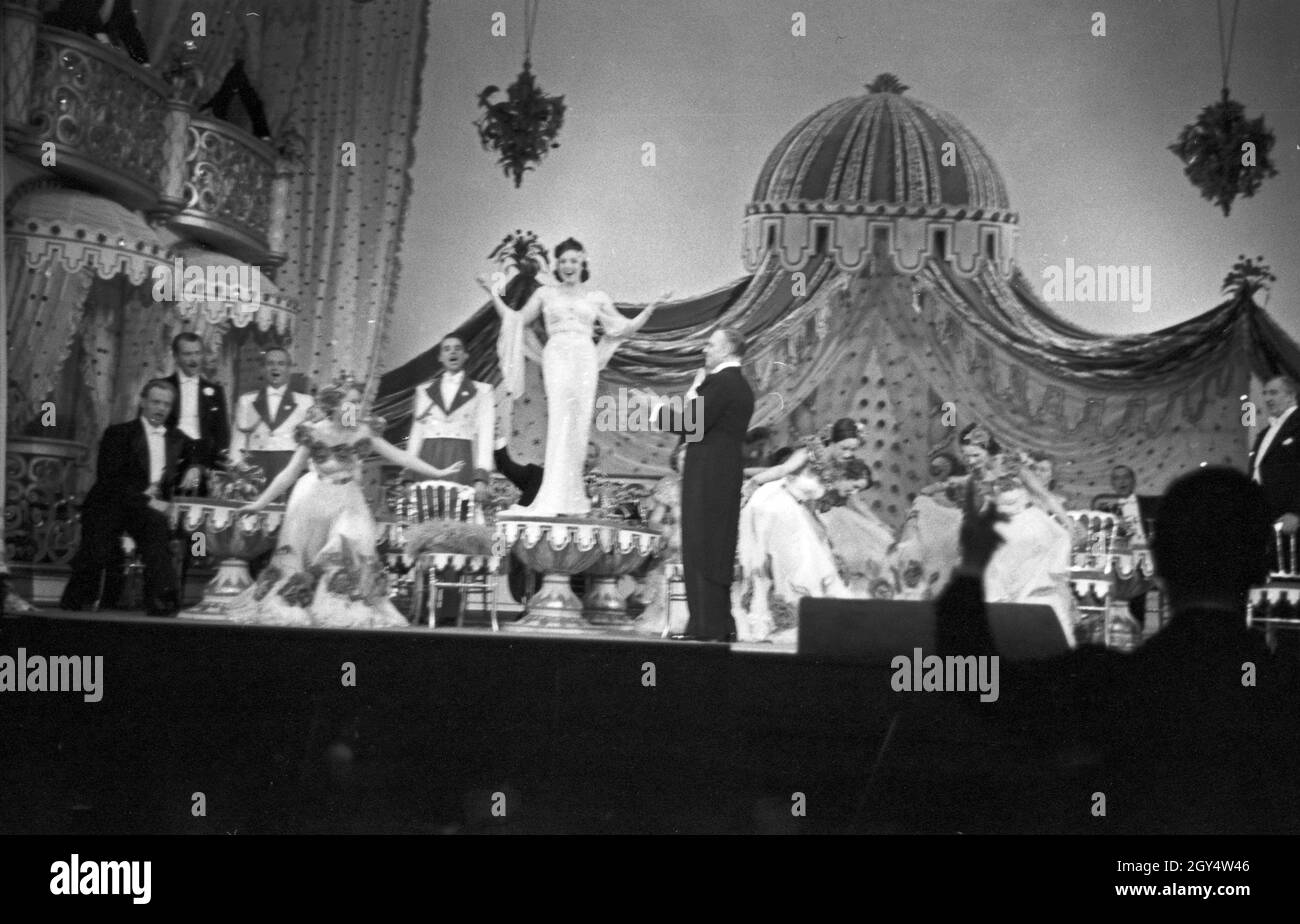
(506, 631)
(204, 727)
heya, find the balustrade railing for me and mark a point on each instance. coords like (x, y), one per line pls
(86, 111)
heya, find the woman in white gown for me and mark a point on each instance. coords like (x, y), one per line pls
(784, 550)
(1033, 564)
(325, 572)
(927, 550)
(860, 540)
(571, 364)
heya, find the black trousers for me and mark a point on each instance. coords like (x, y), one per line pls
(100, 549)
(709, 603)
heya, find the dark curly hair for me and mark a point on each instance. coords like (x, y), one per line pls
(572, 244)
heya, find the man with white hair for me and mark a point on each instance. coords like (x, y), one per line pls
(1275, 460)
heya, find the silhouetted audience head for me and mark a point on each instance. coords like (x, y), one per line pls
(1212, 535)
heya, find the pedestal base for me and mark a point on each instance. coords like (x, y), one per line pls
(232, 579)
(604, 606)
(554, 608)
(563, 546)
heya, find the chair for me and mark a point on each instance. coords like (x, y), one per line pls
(465, 554)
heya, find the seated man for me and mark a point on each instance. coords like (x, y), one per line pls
(138, 467)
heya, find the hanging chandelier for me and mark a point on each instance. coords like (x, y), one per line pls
(1225, 154)
(523, 127)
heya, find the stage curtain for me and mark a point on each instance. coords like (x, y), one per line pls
(233, 29)
(45, 309)
(1163, 402)
(100, 356)
(344, 73)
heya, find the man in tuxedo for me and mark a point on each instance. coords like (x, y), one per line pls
(453, 419)
(719, 406)
(265, 419)
(1193, 733)
(1275, 460)
(200, 412)
(139, 465)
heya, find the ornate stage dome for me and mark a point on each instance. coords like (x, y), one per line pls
(876, 175)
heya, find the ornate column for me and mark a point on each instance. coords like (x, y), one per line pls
(175, 170)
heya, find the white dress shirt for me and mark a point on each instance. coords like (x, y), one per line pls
(273, 398)
(155, 437)
(188, 414)
(1274, 428)
(450, 385)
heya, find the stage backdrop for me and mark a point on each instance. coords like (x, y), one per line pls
(882, 246)
(891, 349)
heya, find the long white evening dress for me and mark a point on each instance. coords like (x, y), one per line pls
(863, 545)
(784, 555)
(1033, 566)
(325, 572)
(571, 364)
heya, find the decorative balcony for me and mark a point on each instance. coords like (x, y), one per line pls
(104, 114)
(86, 112)
(42, 500)
(228, 181)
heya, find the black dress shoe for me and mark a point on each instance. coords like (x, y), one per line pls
(683, 637)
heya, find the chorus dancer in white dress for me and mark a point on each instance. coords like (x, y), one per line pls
(571, 364)
(1033, 563)
(927, 550)
(325, 572)
(784, 550)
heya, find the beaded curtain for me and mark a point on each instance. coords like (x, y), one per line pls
(341, 73)
(44, 314)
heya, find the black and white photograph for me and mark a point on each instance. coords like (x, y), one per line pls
(731, 417)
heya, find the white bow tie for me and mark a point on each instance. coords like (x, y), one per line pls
(156, 431)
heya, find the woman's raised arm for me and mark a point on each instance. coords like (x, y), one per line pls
(532, 308)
